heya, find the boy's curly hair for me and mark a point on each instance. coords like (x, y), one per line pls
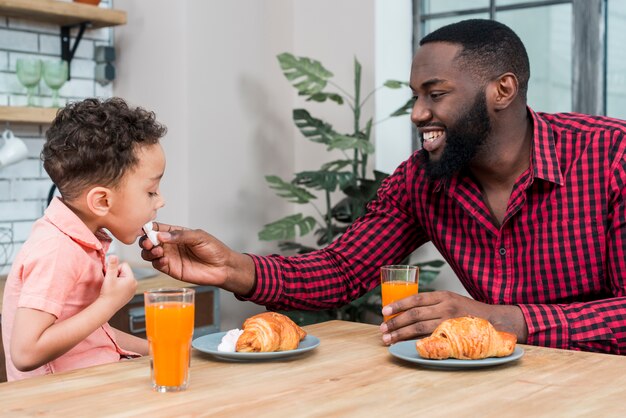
(93, 142)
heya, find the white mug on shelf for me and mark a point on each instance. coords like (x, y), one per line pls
(13, 150)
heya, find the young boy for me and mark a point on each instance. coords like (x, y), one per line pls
(106, 160)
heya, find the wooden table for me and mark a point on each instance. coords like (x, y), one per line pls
(350, 374)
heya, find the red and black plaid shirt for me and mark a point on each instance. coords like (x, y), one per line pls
(559, 254)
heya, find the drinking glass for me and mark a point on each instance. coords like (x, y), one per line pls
(55, 75)
(29, 73)
(169, 328)
(398, 282)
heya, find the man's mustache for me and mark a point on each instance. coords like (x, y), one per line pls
(430, 125)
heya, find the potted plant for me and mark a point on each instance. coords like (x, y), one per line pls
(347, 175)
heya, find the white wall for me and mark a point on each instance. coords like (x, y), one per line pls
(209, 71)
(394, 53)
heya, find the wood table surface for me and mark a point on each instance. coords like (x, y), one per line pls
(350, 374)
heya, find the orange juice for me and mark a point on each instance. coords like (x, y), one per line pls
(396, 290)
(169, 327)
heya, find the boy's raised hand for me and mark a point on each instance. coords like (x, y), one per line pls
(119, 283)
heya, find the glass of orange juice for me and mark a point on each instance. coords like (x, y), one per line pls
(169, 327)
(397, 282)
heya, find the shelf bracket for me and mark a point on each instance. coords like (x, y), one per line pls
(67, 53)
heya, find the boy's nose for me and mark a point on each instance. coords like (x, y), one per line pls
(161, 202)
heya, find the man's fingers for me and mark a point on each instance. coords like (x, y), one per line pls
(413, 317)
(159, 226)
(188, 237)
(418, 300)
(416, 330)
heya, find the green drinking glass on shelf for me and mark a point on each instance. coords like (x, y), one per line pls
(29, 73)
(55, 75)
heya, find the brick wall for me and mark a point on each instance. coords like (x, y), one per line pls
(24, 186)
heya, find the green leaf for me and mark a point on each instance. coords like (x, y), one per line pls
(323, 180)
(368, 129)
(291, 246)
(366, 190)
(427, 277)
(431, 263)
(395, 84)
(285, 228)
(357, 79)
(322, 234)
(306, 75)
(360, 195)
(405, 109)
(379, 176)
(336, 165)
(322, 97)
(289, 191)
(344, 142)
(312, 128)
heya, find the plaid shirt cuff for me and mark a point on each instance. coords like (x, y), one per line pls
(269, 285)
(547, 326)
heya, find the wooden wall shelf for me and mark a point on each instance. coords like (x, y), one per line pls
(23, 114)
(62, 13)
(66, 15)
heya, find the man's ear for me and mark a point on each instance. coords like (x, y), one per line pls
(99, 200)
(503, 91)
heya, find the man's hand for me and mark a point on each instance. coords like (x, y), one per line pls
(197, 257)
(419, 315)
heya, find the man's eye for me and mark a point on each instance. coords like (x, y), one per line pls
(436, 95)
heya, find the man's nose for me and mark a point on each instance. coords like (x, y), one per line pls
(420, 112)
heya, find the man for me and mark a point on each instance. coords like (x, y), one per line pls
(527, 208)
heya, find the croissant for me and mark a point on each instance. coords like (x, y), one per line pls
(269, 331)
(466, 338)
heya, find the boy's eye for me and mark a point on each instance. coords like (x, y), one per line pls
(153, 194)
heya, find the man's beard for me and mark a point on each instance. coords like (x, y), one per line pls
(463, 141)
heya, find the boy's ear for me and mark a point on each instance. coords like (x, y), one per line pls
(99, 200)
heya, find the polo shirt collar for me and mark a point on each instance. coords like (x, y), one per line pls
(71, 225)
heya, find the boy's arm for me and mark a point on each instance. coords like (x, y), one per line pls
(131, 342)
(38, 339)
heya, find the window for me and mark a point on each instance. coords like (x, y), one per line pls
(616, 59)
(575, 64)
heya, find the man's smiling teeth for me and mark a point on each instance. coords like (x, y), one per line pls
(432, 135)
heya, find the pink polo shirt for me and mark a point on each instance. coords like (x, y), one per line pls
(60, 270)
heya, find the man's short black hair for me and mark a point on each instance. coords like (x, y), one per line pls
(489, 49)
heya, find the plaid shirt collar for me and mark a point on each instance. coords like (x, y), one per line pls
(543, 161)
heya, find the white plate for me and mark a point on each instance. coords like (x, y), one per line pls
(208, 344)
(406, 350)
